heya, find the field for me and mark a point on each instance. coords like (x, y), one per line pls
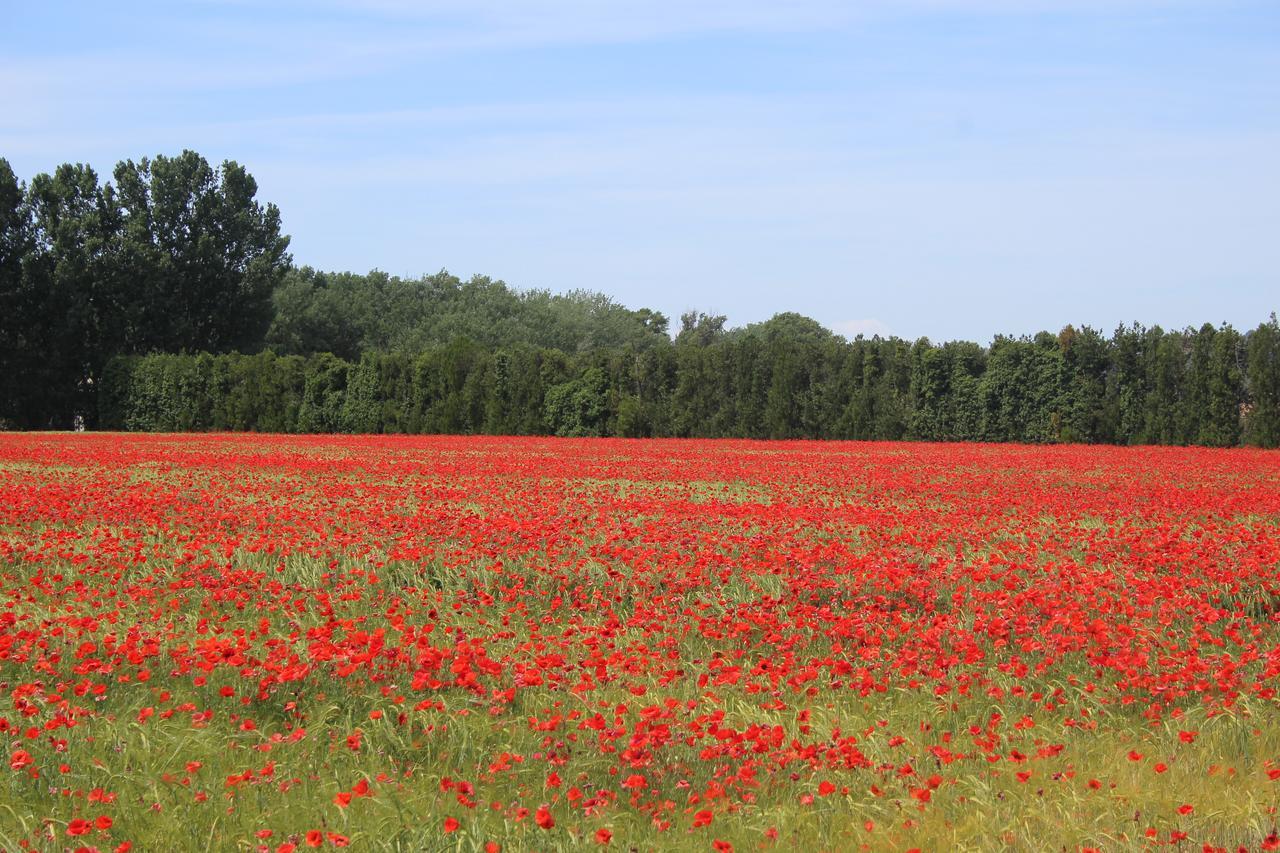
(277, 643)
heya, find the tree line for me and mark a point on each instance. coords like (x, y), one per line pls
(1211, 386)
(167, 300)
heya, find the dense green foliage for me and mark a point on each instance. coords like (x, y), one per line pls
(175, 255)
(348, 314)
(1209, 386)
(166, 301)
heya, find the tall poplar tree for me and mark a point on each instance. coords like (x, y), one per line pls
(205, 254)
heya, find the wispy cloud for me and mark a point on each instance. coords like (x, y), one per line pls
(929, 166)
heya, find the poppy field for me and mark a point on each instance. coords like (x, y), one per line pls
(271, 643)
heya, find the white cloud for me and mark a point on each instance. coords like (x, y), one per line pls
(868, 328)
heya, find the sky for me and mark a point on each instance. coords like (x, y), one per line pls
(951, 169)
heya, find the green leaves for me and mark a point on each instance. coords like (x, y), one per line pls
(175, 256)
(207, 255)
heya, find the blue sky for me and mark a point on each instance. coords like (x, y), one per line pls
(940, 168)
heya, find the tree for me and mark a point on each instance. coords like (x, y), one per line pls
(1264, 384)
(75, 284)
(1166, 388)
(1126, 388)
(1020, 390)
(1219, 387)
(312, 314)
(1086, 364)
(789, 326)
(698, 329)
(930, 391)
(204, 254)
(17, 308)
(578, 407)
